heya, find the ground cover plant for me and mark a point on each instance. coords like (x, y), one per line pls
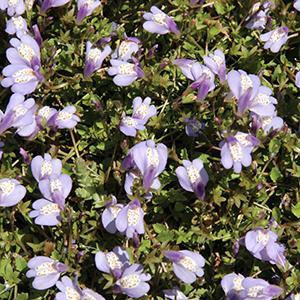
(149, 149)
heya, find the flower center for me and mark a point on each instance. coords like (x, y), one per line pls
(207, 72)
(142, 111)
(45, 112)
(113, 261)
(7, 187)
(193, 173)
(115, 210)
(255, 291)
(45, 269)
(127, 69)
(46, 168)
(236, 151)
(133, 216)
(246, 83)
(23, 75)
(94, 54)
(237, 283)
(242, 138)
(130, 281)
(55, 185)
(262, 237)
(188, 263)
(262, 99)
(266, 121)
(123, 48)
(72, 294)
(218, 60)
(18, 22)
(130, 122)
(49, 209)
(152, 157)
(12, 2)
(64, 116)
(26, 52)
(277, 35)
(159, 18)
(19, 111)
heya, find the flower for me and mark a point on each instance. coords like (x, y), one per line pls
(185, 66)
(16, 25)
(174, 294)
(129, 125)
(244, 87)
(126, 48)
(46, 167)
(65, 118)
(232, 285)
(45, 113)
(236, 151)
(261, 243)
(193, 127)
(46, 4)
(94, 58)
(14, 7)
(113, 262)
(91, 295)
(275, 39)
(125, 73)
(1, 151)
(142, 110)
(11, 192)
(68, 289)
(86, 8)
(267, 122)
(258, 17)
(187, 265)
(294, 296)
(297, 80)
(159, 22)
(110, 214)
(297, 4)
(133, 282)
(56, 188)
(130, 220)
(46, 271)
(45, 212)
(193, 177)
(216, 63)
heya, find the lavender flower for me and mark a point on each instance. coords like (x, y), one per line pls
(125, 73)
(174, 294)
(13, 7)
(110, 214)
(297, 4)
(16, 25)
(142, 110)
(47, 4)
(46, 272)
(68, 289)
(130, 125)
(193, 127)
(45, 212)
(133, 282)
(126, 48)
(56, 189)
(11, 192)
(294, 296)
(267, 122)
(187, 265)
(236, 151)
(65, 118)
(244, 87)
(261, 243)
(275, 39)
(232, 285)
(94, 58)
(130, 220)
(46, 113)
(185, 66)
(91, 295)
(216, 63)
(44, 168)
(297, 80)
(113, 262)
(86, 8)
(159, 22)
(258, 17)
(193, 177)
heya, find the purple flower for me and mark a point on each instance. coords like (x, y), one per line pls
(46, 113)
(130, 125)
(244, 87)
(113, 262)
(1, 151)
(193, 127)
(16, 25)
(130, 220)
(275, 39)
(297, 4)
(68, 289)
(86, 8)
(56, 189)
(43, 168)
(91, 295)
(187, 265)
(193, 177)
(46, 4)
(46, 272)
(159, 22)
(24, 51)
(125, 73)
(294, 296)
(142, 110)
(232, 285)
(174, 294)
(110, 214)
(45, 212)
(14, 7)
(261, 243)
(94, 58)
(236, 151)
(65, 118)
(11, 192)
(267, 122)
(258, 18)
(133, 282)
(297, 80)
(126, 48)
(216, 63)
(185, 66)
